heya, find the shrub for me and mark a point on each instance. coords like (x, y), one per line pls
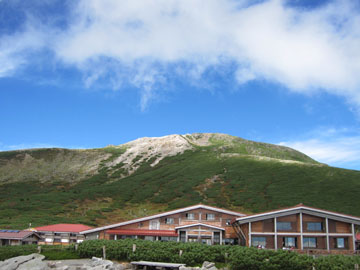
(7, 252)
(50, 252)
(336, 262)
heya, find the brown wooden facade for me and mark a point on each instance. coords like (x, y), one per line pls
(301, 228)
(199, 223)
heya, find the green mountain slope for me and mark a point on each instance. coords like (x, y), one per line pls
(149, 175)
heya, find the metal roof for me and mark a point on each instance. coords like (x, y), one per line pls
(72, 228)
(15, 234)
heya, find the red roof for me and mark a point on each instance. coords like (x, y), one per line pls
(143, 232)
(74, 228)
(358, 236)
(13, 234)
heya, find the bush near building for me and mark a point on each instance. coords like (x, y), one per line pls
(192, 254)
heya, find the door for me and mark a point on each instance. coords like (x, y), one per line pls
(182, 236)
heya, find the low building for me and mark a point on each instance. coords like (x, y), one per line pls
(198, 223)
(302, 228)
(61, 234)
(16, 237)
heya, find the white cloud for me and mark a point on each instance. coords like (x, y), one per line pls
(17, 48)
(305, 50)
(336, 147)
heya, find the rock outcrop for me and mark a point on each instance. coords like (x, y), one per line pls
(205, 266)
(36, 262)
(28, 262)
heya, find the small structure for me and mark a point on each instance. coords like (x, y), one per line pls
(61, 234)
(16, 237)
(146, 265)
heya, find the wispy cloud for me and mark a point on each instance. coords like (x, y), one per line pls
(305, 50)
(336, 147)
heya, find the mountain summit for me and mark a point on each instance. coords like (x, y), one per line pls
(149, 175)
(54, 164)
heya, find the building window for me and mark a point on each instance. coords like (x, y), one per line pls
(230, 241)
(167, 238)
(182, 236)
(258, 242)
(309, 242)
(289, 242)
(283, 226)
(190, 216)
(216, 238)
(169, 220)
(314, 226)
(127, 237)
(141, 225)
(154, 225)
(210, 216)
(228, 222)
(340, 242)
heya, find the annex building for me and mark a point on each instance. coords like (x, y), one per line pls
(61, 234)
(198, 223)
(302, 228)
(17, 237)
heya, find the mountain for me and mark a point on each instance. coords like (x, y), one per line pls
(149, 175)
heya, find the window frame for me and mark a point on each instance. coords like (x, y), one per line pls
(210, 214)
(337, 243)
(258, 241)
(169, 220)
(278, 228)
(190, 214)
(314, 229)
(290, 237)
(308, 238)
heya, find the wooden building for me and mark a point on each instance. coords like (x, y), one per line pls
(302, 228)
(61, 234)
(198, 223)
(16, 238)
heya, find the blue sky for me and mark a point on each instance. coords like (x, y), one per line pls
(89, 73)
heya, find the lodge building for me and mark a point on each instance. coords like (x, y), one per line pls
(198, 223)
(300, 227)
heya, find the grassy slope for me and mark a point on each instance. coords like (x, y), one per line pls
(204, 175)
